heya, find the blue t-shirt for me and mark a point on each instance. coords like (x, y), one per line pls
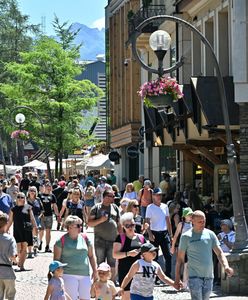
(199, 251)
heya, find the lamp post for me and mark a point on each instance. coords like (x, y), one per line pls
(159, 43)
(20, 119)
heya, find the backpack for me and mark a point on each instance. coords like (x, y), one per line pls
(84, 236)
(123, 238)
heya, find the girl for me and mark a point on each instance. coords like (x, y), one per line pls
(144, 272)
(55, 289)
(182, 227)
(103, 288)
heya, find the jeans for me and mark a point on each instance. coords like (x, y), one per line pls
(200, 287)
(162, 239)
(139, 297)
(143, 212)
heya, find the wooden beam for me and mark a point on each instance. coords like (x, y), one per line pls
(197, 160)
(205, 143)
(210, 156)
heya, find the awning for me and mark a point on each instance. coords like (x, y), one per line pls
(35, 164)
(98, 162)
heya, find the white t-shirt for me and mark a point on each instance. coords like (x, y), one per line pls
(230, 237)
(157, 216)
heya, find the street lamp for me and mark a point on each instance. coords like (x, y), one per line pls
(20, 119)
(159, 43)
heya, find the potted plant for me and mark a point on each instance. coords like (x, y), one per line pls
(160, 92)
(20, 134)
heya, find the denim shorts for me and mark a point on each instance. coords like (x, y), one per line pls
(139, 297)
(200, 287)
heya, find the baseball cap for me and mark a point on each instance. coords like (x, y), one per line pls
(103, 267)
(226, 222)
(62, 183)
(147, 247)
(187, 211)
(55, 265)
(157, 191)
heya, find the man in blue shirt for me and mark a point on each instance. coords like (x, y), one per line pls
(5, 201)
(199, 242)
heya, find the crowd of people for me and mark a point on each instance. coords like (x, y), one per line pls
(132, 226)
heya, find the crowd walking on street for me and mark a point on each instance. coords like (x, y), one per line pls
(105, 244)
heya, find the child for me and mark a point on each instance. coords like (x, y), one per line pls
(8, 253)
(182, 227)
(55, 289)
(103, 288)
(144, 272)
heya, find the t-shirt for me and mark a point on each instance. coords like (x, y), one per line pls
(7, 250)
(36, 205)
(157, 216)
(47, 201)
(6, 203)
(75, 209)
(75, 254)
(108, 229)
(199, 248)
(143, 281)
(58, 289)
(137, 185)
(230, 237)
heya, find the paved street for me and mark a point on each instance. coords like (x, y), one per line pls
(31, 285)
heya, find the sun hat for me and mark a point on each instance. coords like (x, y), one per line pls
(187, 211)
(104, 267)
(55, 265)
(147, 247)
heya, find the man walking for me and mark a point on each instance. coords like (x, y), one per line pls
(199, 242)
(105, 217)
(159, 231)
(6, 202)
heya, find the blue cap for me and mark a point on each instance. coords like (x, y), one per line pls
(157, 191)
(55, 265)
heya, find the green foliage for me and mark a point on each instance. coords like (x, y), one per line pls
(45, 81)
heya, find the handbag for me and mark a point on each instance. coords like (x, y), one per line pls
(28, 226)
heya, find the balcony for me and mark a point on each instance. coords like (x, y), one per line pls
(134, 19)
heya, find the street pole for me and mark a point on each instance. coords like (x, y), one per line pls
(43, 134)
(241, 241)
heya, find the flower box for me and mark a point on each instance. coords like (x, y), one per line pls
(20, 135)
(160, 92)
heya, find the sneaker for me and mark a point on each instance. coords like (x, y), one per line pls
(30, 255)
(47, 249)
(40, 246)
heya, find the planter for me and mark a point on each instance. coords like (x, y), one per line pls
(160, 101)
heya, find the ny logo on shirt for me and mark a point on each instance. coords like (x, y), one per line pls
(149, 271)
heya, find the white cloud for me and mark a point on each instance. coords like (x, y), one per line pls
(100, 23)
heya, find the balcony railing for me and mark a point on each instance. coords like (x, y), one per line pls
(142, 14)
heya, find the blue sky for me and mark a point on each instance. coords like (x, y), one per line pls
(90, 13)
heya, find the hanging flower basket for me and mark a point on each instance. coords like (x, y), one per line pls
(160, 92)
(20, 135)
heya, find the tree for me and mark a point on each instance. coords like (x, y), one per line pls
(46, 82)
(15, 36)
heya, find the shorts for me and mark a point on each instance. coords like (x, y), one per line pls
(7, 289)
(104, 251)
(46, 222)
(139, 297)
(77, 286)
(37, 220)
(90, 202)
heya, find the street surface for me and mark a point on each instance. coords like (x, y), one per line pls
(32, 284)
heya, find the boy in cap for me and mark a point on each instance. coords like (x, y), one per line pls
(103, 288)
(144, 272)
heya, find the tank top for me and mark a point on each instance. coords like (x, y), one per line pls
(143, 281)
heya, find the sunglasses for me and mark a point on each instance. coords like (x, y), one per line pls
(111, 196)
(127, 226)
(20, 197)
(33, 191)
(135, 205)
